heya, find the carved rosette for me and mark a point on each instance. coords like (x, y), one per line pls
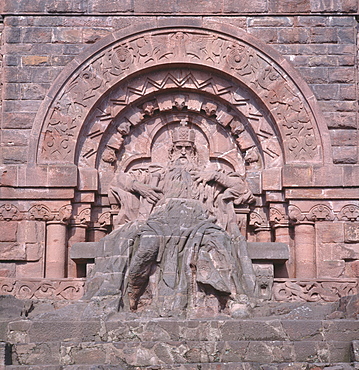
(98, 74)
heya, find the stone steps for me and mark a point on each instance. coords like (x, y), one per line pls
(27, 331)
(54, 342)
(179, 352)
(198, 366)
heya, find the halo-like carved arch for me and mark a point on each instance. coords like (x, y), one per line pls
(228, 51)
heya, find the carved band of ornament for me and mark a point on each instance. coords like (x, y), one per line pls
(40, 212)
(349, 212)
(276, 216)
(313, 290)
(105, 219)
(194, 102)
(99, 74)
(256, 219)
(320, 212)
(69, 289)
(84, 217)
(8, 212)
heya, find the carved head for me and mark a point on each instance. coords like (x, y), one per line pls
(183, 148)
(124, 128)
(179, 102)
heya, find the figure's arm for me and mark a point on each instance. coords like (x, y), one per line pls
(236, 188)
(130, 184)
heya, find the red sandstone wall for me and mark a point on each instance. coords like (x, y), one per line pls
(319, 38)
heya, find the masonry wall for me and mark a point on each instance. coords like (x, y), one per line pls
(39, 38)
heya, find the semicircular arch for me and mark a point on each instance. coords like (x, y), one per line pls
(225, 50)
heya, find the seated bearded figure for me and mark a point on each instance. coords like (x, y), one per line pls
(178, 229)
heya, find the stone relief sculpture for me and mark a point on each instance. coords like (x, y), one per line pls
(177, 247)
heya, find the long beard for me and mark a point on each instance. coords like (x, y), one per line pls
(179, 182)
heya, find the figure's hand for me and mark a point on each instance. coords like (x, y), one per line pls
(203, 176)
(151, 193)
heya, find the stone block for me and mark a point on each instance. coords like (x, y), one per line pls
(341, 75)
(110, 6)
(288, 6)
(67, 36)
(15, 120)
(35, 60)
(294, 175)
(346, 154)
(267, 35)
(9, 230)
(321, 178)
(153, 6)
(344, 137)
(233, 6)
(37, 353)
(85, 250)
(88, 179)
(323, 35)
(14, 155)
(272, 179)
(278, 252)
(330, 232)
(12, 251)
(319, 75)
(347, 92)
(351, 232)
(340, 119)
(293, 35)
(62, 175)
(326, 91)
(264, 21)
(331, 269)
(298, 330)
(64, 330)
(355, 351)
(15, 137)
(63, 6)
(37, 35)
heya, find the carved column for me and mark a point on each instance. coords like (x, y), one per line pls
(97, 232)
(304, 243)
(263, 234)
(305, 259)
(77, 234)
(56, 235)
(282, 235)
(56, 244)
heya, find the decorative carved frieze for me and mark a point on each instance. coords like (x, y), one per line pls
(59, 289)
(8, 212)
(325, 290)
(95, 77)
(40, 212)
(320, 212)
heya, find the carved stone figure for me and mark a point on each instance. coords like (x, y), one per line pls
(177, 247)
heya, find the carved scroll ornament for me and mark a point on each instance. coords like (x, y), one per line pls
(43, 288)
(251, 67)
(313, 290)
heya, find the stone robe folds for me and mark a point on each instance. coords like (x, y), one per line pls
(176, 256)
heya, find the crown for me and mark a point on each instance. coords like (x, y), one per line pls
(183, 133)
